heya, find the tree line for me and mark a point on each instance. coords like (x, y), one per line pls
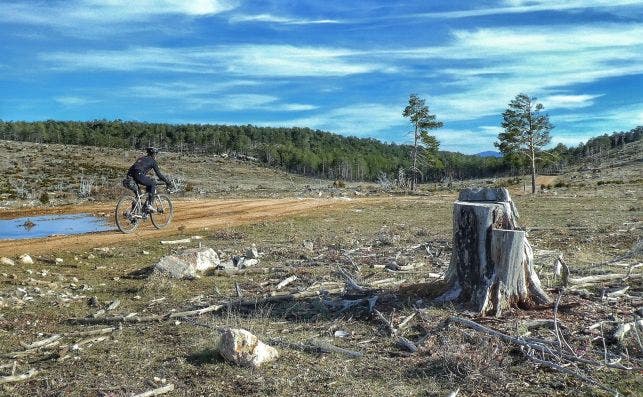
(298, 150)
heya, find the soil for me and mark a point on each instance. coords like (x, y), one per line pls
(189, 216)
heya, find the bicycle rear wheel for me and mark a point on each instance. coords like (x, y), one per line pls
(164, 211)
(126, 221)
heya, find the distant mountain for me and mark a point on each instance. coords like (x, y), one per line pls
(489, 153)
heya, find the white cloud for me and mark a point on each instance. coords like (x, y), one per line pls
(99, 18)
(178, 90)
(244, 60)
(269, 18)
(73, 100)
(467, 140)
(527, 6)
(497, 64)
(361, 120)
(569, 101)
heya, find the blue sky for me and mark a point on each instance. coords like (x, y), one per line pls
(342, 66)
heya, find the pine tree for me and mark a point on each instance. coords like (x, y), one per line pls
(526, 131)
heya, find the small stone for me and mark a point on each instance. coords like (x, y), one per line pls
(6, 261)
(91, 256)
(252, 253)
(247, 263)
(25, 259)
(340, 333)
(59, 261)
(245, 349)
(146, 252)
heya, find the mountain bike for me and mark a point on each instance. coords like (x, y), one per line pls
(130, 212)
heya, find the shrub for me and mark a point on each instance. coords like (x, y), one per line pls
(561, 184)
(44, 198)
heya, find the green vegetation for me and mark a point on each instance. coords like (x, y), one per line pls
(526, 131)
(425, 146)
(298, 150)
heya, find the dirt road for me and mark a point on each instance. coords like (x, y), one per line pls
(189, 216)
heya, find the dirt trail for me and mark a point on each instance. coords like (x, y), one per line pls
(190, 216)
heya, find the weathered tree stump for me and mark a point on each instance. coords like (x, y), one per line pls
(492, 262)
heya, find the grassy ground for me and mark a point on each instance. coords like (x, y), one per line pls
(588, 226)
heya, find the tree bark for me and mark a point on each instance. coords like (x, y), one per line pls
(492, 263)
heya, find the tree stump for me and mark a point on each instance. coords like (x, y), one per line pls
(492, 262)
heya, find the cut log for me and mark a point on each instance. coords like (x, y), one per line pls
(492, 262)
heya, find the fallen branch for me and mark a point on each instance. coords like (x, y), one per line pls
(589, 280)
(624, 329)
(18, 378)
(156, 392)
(285, 282)
(316, 346)
(389, 327)
(144, 319)
(350, 282)
(407, 344)
(41, 343)
(406, 321)
(536, 344)
(170, 242)
(530, 355)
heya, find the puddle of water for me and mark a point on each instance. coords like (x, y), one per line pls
(49, 225)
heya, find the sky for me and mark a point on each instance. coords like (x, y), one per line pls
(346, 67)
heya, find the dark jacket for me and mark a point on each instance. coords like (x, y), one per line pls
(143, 165)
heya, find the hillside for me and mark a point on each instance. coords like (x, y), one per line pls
(31, 169)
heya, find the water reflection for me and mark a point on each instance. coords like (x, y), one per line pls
(28, 225)
(49, 225)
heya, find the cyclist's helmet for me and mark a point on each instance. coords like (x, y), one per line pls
(151, 151)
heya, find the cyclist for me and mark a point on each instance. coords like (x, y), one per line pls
(140, 168)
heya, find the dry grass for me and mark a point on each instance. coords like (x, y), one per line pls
(587, 226)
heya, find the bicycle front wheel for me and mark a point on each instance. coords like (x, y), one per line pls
(164, 211)
(125, 214)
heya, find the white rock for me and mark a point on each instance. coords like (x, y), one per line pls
(59, 260)
(188, 264)
(175, 267)
(6, 261)
(245, 349)
(25, 259)
(245, 262)
(203, 258)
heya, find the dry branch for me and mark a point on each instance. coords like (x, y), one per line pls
(568, 371)
(389, 327)
(18, 378)
(170, 242)
(623, 329)
(143, 319)
(589, 280)
(286, 281)
(156, 392)
(316, 346)
(407, 344)
(542, 346)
